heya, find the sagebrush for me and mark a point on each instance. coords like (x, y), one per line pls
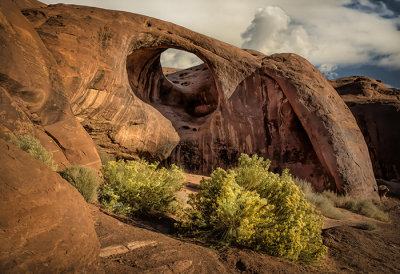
(139, 187)
(328, 202)
(84, 179)
(364, 207)
(321, 201)
(252, 207)
(30, 144)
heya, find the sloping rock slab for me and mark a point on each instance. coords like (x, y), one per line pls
(44, 223)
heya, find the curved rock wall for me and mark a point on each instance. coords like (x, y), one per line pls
(33, 97)
(238, 101)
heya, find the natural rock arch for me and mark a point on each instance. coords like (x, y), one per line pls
(280, 106)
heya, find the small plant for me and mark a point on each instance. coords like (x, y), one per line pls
(322, 202)
(252, 207)
(138, 187)
(327, 203)
(84, 179)
(364, 207)
(30, 144)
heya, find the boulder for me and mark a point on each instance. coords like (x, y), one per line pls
(45, 225)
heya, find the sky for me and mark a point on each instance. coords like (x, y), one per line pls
(340, 37)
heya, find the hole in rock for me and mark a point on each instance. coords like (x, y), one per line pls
(175, 82)
(192, 87)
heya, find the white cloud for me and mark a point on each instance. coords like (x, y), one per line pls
(328, 70)
(272, 31)
(329, 34)
(173, 58)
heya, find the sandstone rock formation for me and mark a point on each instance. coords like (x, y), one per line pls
(45, 225)
(238, 101)
(32, 95)
(377, 111)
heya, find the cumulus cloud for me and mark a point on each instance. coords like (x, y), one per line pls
(173, 58)
(272, 31)
(330, 35)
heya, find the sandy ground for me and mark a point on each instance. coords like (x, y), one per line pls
(137, 246)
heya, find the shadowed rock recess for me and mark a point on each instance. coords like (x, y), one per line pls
(65, 66)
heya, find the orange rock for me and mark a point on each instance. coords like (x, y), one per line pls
(109, 72)
(31, 83)
(44, 222)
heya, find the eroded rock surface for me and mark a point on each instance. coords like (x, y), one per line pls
(45, 226)
(377, 111)
(32, 93)
(238, 101)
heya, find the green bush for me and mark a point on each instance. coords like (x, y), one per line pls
(84, 179)
(138, 187)
(30, 144)
(252, 207)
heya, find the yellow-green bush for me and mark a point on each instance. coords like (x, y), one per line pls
(139, 187)
(84, 179)
(30, 144)
(252, 207)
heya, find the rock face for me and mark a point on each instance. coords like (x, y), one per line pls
(45, 225)
(32, 94)
(377, 111)
(238, 101)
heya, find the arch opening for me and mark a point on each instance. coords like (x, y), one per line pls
(173, 60)
(159, 78)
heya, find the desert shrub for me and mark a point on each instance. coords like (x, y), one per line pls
(327, 203)
(364, 207)
(30, 144)
(252, 207)
(84, 179)
(139, 187)
(322, 202)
